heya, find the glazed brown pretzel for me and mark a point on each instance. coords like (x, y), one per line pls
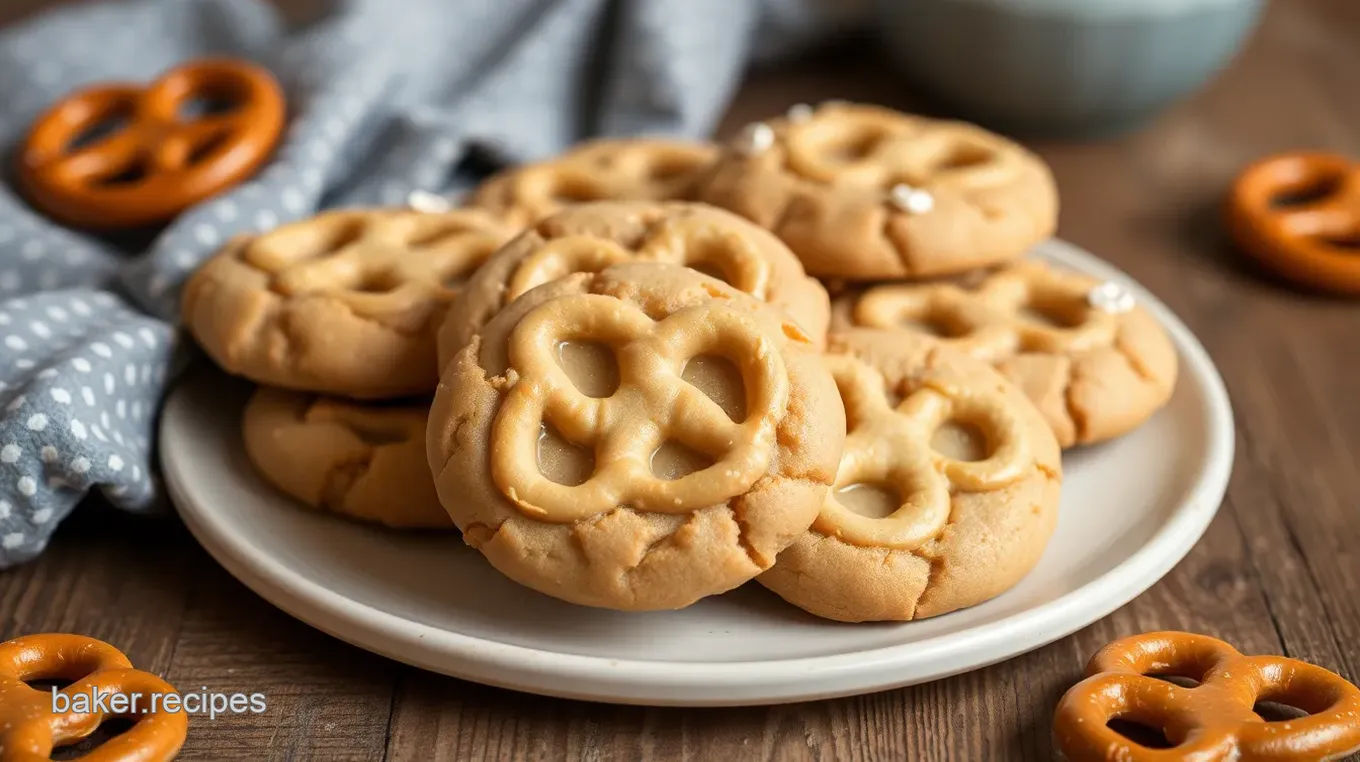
(1214, 721)
(651, 406)
(158, 164)
(1312, 242)
(29, 729)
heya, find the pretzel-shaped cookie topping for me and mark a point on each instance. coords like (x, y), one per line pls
(1214, 721)
(1025, 307)
(892, 445)
(651, 406)
(28, 727)
(657, 170)
(681, 241)
(158, 164)
(386, 264)
(1299, 214)
(876, 148)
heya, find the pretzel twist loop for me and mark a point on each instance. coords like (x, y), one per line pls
(29, 729)
(1299, 214)
(157, 163)
(1214, 721)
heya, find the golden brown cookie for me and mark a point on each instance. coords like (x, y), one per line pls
(636, 439)
(589, 237)
(347, 302)
(366, 462)
(863, 192)
(599, 170)
(947, 491)
(1095, 363)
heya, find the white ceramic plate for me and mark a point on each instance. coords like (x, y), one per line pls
(1131, 509)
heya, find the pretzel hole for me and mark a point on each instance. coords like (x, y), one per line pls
(963, 156)
(877, 500)
(1274, 711)
(719, 379)
(205, 147)
(663, 169)
(591, 366)
(562, 461)
(574, 189)
(376, 283)
(114, 122)
(961, 441)
(1181, 680)
(673, 460)
(213, 103)
(328, 240)
(857, 145)
(1308, 191)
(711, 269)
(1142, 734)
(1349, 242)
(1066, 313)
(107, 730)
(132, 173)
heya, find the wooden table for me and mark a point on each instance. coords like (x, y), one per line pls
(1277, 572)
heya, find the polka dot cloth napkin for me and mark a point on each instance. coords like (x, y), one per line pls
(384, 97)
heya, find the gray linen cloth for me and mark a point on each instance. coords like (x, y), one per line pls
(385, 97)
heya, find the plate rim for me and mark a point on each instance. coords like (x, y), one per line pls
(745, 683)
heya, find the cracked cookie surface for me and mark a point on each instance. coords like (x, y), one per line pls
(864, 192)
(946, 494)
(345, 303)
(590, 237)
(637, 438)
(364, 461)
(1094, 373)
(598, 170)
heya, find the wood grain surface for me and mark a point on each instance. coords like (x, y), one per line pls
(1277, 572)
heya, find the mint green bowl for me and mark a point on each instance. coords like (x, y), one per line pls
(1063, 67)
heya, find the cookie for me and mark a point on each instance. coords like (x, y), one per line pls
(590, 237)
(366, 462)
(599, 170)
(862, 192)
(1095, 363)
(947, 491)
(346, 303)
(636, 439)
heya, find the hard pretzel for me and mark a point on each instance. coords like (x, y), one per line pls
(887, 443)
(1214, 721)
(1299, 215)
(159, 163)
(651, 406)
(864, 193)
(29, 730)
(346, 302)
(654, 170)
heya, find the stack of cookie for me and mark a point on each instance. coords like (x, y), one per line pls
(646, 395)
